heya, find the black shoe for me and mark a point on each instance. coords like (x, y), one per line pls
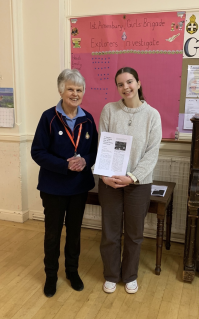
(75, 280)
(50, 286)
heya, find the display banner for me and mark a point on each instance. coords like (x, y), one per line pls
(152, 44)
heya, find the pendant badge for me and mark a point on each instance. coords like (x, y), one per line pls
(77, 155)
(87, 136)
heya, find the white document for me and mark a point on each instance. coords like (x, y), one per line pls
(158, 190)
(191, 108)
(113, 154)
(192, 81)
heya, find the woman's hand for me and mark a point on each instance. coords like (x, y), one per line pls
(117, 181)
(76, 163)
(123, 180)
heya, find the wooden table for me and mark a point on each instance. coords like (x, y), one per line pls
(160, 206)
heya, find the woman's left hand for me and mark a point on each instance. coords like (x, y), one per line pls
(76, 163)
(123, 180)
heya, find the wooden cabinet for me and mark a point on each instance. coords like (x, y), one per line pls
(191, 252)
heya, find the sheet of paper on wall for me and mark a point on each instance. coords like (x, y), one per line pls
(6, 117)
(113, 154)
(192, 81)
(158, 190)
(191, 108)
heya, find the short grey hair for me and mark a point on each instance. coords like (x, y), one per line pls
(73, 76)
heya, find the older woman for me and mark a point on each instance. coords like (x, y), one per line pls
(65, 146)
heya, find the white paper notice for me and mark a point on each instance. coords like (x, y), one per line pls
(113, 154)
(191, 108)
(193, 81)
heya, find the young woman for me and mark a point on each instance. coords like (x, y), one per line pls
(125, 199)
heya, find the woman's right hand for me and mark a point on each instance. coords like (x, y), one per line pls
(76, 163)
(112, 182)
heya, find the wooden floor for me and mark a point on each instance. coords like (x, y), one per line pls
(22, 279)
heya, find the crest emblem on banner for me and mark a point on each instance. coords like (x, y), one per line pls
(192, 26)
(74, 31)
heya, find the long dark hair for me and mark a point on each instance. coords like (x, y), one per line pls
(135, 75)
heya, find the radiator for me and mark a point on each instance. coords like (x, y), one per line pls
(169, 169)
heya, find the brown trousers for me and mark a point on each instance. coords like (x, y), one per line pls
(128, 205)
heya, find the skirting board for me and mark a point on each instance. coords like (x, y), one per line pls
(185, 136)
(96, 224)
(36, 214)
(14, 216)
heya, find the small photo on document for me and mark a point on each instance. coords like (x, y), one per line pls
(120, 146)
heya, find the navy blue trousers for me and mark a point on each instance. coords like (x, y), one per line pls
(56, 210)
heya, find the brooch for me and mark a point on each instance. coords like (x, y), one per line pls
(87, 136)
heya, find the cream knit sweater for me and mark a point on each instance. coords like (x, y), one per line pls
(146, 131)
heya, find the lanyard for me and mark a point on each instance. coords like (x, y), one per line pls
(70, 136)
(78, 137)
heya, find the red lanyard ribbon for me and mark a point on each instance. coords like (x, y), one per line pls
(78, 137)
(69, 135)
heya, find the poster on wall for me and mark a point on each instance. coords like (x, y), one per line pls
(192, 81)
(6, 97)
(6, 107)
(191, 36)
(152, 44)
(191, 108)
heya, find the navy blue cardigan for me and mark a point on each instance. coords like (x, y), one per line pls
(51, 149)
